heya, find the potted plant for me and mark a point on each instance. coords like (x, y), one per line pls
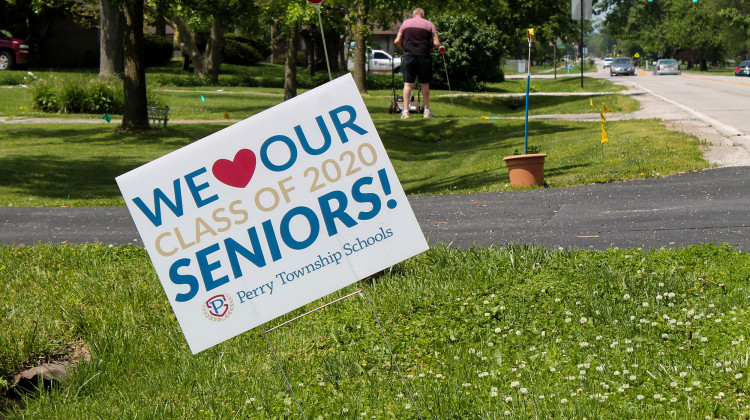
(526, 169)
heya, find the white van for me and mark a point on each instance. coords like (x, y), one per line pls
(378, 61)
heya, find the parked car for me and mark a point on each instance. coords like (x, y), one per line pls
(378, 61)
(607, 62)
(622, 65)
(14, 52)
(667, 66)
(743, 69)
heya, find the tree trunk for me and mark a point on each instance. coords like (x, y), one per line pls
(188, 45)
(360, 49)
(213, 49)
(111, 23)
(134, 116)
(290, 70)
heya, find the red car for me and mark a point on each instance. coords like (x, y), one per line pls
(14, 52)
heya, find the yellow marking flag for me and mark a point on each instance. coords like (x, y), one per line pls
(602, 117)
(604, 108)
(604, 135)
(591, 101)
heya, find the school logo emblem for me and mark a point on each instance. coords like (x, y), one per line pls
(218, 308)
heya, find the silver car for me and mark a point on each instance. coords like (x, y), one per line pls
(667, 66)
(621, 65)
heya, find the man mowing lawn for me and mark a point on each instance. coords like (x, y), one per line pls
(417, 37)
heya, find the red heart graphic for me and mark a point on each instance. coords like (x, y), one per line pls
(238, 172)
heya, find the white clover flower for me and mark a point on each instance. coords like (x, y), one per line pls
(657, 396)
(599, 337)
(407, 406)
(518, 332)
(523, 391)
(738, 376)
(583, 320)
(600, 368)
(493, 393)
(659, 297)
(498, 330)
(567, 320)
(626, 296)
(674, 399)
(640, 397)
(583, 344)
(508, 399)
(696, 383)
(466, 384)
(616, 373)
(631, 377)
(515, 384)
(486, 302)
(564, 400)
(683, 374)
(645, 304)
(629, 350)
(704, 339)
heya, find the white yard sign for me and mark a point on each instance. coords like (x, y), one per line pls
(271, 213)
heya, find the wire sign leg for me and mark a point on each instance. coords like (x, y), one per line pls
(263, 327)
(393, 358)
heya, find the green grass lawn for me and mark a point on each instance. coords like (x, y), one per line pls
(486, 333)
(75, 164)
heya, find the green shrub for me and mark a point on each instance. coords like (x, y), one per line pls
(377, 81)
(72, 96)
(158, 50)
(83, 96)
(239, 50)
(105, 97)
(10, 78)
(44, 96)
(473, 55)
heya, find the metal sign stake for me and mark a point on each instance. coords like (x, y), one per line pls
(265, 334)
(393, 358)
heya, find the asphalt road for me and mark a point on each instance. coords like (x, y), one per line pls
(707, 206)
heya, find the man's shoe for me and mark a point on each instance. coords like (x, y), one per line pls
(405, 114)
(428, 114)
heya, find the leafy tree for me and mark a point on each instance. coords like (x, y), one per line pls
(213, 17)
(473, 52)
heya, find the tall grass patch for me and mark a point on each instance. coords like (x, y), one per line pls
(485, 333)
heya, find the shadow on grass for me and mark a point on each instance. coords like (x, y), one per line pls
(425, 140)
(60, 178)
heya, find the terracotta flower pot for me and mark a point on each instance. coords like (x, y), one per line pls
(526, 170)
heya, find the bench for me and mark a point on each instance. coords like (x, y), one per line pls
(158, 116)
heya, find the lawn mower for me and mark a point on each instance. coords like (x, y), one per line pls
(397, 104)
